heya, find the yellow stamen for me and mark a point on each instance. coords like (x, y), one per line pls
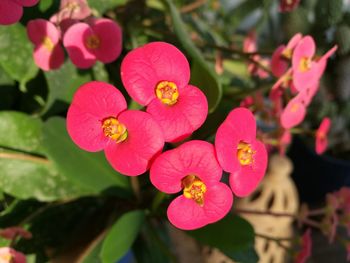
(92, 42)
(294, 107)
(194, 189)
(287, 53)
(47, 43)
(305, 64)
(114, 130)
(8, 258)
(166, 92)
(72, 6)
(245, 153)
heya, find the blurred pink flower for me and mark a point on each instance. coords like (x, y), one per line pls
(279, 64)
(239, 153)
(12, 232)
(294, 113)
(9, 255)
(101, 40)
(48, 53)
(288, 5)
(193, 169)
(11, 10)
(98, 120)
(284, 141)
(306, 246)
(321, 136)
(156, 75)
(71, 9)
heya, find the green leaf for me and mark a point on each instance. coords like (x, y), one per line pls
(33, 178)
(202, 75)
(20, 131)
(122, 235)
(24, 174)
(90, 170)
(16, 56)
(64, 82)
(100, 72)
(233, 236)
(103, 5)
(44, 5)
(5, 79)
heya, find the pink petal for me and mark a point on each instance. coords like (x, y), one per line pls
(10, 12)
(245, 180)
(191, 158)
(293, 42)
(81, 11)
(293, 114)
(110, 35)
(26, 2)
(239, 126)
(305, 48)
(74, 41)
(145, 140)
(93, 102)
(186, 214)
(144, 67)
(321, 136)
(178, 121)
(278, 64)
(37, 29)
(49, 60)
(18, 257)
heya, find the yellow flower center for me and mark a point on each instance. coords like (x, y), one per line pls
(8, 258)
(47, 43)
(305, 64)
(294, 108)
(93, 42)
(166, 92)
(72, 6)
(245, 153)
(194, 189)
(114, 130)
(287, 53)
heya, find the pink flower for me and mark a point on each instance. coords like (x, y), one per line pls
(305, 72)
(294, 113)
(71, 9)
(239, 153)
(279, 64)
(321, 136)
(306, 246)
(288, 5)
(48, 53)
(98, 120)
(156, 75)
(11, 10)
(193, 169)
(9, 255)
(101, 40)
(12, 232)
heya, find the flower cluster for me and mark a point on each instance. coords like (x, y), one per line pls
(298, 71)
(157, 75)
(11, 11)
(8, 254)
(85, 38)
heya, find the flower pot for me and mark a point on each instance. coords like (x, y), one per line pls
(316, 175)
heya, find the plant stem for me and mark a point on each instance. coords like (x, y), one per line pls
(135, 185)
(24, 157)
(193, 6)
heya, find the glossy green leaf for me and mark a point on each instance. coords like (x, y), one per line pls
(64, 82)
(33, 178)
(16, 56)
(202, 74)
(44, 5)
(99, 71)
(233, 235)
(5, 79)
(103, 5)
(90, 170)
(122, 235)
(20, 131)
(23, 173)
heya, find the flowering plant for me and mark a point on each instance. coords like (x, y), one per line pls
(121, 124)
